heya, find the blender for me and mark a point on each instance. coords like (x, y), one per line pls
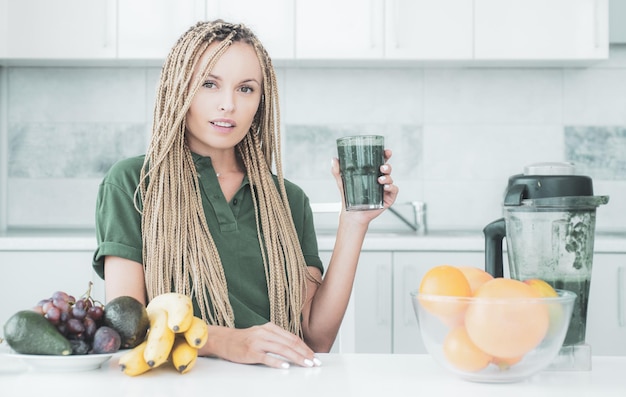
(549, 224)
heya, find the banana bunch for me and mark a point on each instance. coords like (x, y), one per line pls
(175, 335)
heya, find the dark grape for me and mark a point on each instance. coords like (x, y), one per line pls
(62, 328)
(53, 314)
(90, 327)
(96, 312)
(46, 306)
(78, 312)
(75, 326)
(79, 321)
(80, 346)
(61, 295)
(62, 304)
(65, 316)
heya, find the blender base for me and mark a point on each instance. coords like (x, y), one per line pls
(572, 358)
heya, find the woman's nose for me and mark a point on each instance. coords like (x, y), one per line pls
(227, 103)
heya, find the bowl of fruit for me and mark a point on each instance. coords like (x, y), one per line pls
(487, 329)
(64, 333)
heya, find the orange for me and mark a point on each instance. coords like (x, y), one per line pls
(555, 309)
(507, 320)
(462, 353)
(448, 281)
(475, 276)
(506, 363)
(542, 287)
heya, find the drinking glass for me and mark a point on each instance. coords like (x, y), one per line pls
(360, 158)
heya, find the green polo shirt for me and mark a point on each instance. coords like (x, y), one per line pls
(232, 225)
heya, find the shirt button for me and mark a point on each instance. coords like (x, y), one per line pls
(235, 201)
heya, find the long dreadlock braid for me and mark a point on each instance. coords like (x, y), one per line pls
(179, 252)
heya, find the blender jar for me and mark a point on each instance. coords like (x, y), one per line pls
(549, 225)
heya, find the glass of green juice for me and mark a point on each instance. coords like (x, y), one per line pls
(360, 159)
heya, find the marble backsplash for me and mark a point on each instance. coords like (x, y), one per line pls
(456, 134)
(597, 151)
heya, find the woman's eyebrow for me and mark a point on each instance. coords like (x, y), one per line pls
(251, 80)
(247, 80)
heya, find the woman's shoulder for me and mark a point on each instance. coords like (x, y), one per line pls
(125, 172)
(294, 192)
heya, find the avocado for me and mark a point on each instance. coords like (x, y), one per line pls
(28, 332)
(129, 318)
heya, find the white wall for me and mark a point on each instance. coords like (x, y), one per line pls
(457, 133)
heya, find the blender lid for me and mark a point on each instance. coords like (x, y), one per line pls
(547, 180)
(567, 202)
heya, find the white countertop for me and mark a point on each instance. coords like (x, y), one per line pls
(438, 240)
(340, 375)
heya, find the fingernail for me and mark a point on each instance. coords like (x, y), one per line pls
(387, 187)
(308, 362)
(382, 178)
(317, 361)
(284, 365)
(385, 168)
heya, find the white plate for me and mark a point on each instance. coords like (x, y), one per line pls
(70, 363)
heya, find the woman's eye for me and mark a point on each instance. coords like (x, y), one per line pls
(247, 90)
(208, 84)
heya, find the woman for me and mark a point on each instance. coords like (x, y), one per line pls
(202, 213)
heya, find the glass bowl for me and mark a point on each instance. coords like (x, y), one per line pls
(493, 340)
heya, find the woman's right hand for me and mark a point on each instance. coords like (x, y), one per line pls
(262, 344)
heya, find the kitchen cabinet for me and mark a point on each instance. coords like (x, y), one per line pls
(606, 313)
(29, 276)
(476, 31)
(366, 327)
(390, 29)
(4, 19)
(147, 29)
(408, 270)
(277, 36)
(429, 29)
(617, 21)
(349, 29)
(540, 29)
(61, 29)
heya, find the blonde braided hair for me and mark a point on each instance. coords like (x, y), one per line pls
(179, 252)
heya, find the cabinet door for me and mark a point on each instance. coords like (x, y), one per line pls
(272, 21)
(366, 327)
(149, 28)
(540, 29)
(70, 29)
(4, 19)
(408, 270)
(350, 29)
(29, 276)
(429, 29)
(606, 313)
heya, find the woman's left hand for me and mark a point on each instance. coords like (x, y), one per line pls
(390, 190)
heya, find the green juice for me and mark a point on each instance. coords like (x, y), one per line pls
(360, 159)
(578, 324)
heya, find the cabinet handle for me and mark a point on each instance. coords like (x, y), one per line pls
(108, 21)
(373, 23)
(396, 23)
(621, 296)
(408, 314)
(596, 24)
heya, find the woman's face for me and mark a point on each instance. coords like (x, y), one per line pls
(224, 106)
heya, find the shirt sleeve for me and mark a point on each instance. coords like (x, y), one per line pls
(118, 222)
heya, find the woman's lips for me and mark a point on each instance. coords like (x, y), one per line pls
(224, 126)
